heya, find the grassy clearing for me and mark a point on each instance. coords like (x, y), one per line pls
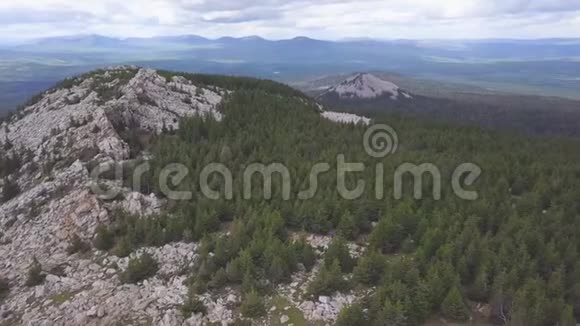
(59, 299)
(295, 315)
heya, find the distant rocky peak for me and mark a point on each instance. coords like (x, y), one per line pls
(367, 86)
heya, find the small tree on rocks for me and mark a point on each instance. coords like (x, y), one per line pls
(35, 276)
(10, 190)
(77, 245)
(4, 288)
(140, 269)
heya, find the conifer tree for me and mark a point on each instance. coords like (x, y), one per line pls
(392, 314)
(327, 281)
(124, 247)
(219, 279)
(308, 257)
(253, 305)
(248, 283)
(76, 244)
(193, 305)
(140, 269)
(338, 251)
(370, 269)
(4, 288)
(352, 316)
(347, 227)
(234, 271)
(10, 190)
(453, 307)
(104, 239)
(567, 317)
(421, 303)
(34, 276)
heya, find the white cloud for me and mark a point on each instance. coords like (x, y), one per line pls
(330, 19)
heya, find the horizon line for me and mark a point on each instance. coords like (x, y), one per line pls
(259, 37)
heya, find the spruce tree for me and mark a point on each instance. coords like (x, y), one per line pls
(481, 289)
(140, 269)
(308, 257)
(10, 190)
(338, 250)
(4, 288)
(248, 283)
(370, 269)
(124, 247)
(347, 227)
(34, 276)
(328, 280)
(104, 239)
(193, 305)
(392, 314)
(278, 271)
(567, 317)
(453, 307)
(421, 302)
(234, 271)
(352, 316)
(76, 244)
(219, 279)
(253, 305)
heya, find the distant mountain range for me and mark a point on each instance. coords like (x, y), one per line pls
(438, 50)
(540, 67)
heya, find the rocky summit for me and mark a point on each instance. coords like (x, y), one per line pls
(48, 149)
(366, 86)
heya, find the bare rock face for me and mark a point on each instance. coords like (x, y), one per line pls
(90, 113)
(152, 102)
(68, 130)
(342, 117)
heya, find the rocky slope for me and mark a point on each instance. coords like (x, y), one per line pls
(55, 141)
(58, 136)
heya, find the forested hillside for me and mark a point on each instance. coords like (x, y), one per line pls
(515, 248)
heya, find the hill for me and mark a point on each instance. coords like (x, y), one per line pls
(141, 253)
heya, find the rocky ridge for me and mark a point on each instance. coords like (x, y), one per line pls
(59, 138)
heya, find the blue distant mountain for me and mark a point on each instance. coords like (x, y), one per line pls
(302, 48)
(158, 41)
(542, 67)
(93, 41)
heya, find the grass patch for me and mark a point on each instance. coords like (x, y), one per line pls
(295, 315)
(10, 322)
(59, 299)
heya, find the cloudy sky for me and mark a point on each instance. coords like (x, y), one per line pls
(326, 19)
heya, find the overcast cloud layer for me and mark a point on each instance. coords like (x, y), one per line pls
(326, 19)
